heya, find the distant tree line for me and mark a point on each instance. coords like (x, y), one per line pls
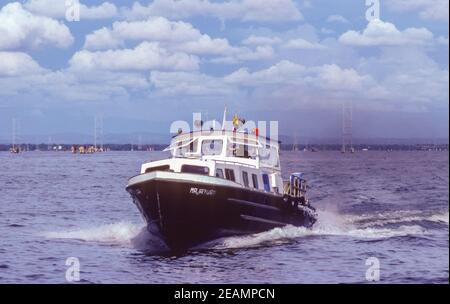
(363, 147)
(284, 147)
(67, 147)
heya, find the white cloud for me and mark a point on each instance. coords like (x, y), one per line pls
(183, 83)
(409, 77)
(337, 18)
(175, 35)
(57, 9)
(145, 56)
(327, 31)
(102, 39)
(302, 44)
(21, 29)
(379, 33)
(238, 55)
(153, 29)
(70, 85)
(261, 40)
(442, 40)
(244, 10)
(329, 76)
(204, 45)
(18, 63)
(437, 10)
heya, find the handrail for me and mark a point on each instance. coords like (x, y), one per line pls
(234, 162)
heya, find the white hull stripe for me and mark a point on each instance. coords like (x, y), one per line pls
(182, 177)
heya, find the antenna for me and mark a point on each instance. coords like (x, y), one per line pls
(224, 118)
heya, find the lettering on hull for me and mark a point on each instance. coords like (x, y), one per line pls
(201, 191)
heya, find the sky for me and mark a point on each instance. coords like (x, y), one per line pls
(143, 64)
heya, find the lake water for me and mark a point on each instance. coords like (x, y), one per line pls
(391, 206)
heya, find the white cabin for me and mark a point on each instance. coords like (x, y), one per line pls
(249, 160)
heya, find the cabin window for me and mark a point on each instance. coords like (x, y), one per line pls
(269, 156)
(255, 181)
(245, 178)
(266, 183)
(229, 174)
(195, 169)
(219, 173)
(193, 146)
(241, 150)
(186, 149)
(212, 147)
(158, 168)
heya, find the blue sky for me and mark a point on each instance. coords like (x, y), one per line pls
(142, 65)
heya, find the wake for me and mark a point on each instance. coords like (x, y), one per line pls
(369, 227)
(366, 226)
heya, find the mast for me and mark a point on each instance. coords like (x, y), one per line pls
(14, 134)
(95, 133)
(98, 133)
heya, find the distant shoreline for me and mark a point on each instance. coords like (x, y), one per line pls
(284, 147)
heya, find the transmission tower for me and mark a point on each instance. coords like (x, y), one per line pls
(98, 132)
(347, 122)
(14, 133)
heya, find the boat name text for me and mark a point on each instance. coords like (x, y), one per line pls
(200, 191)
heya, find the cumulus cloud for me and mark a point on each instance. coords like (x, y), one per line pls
(244, 10)
(436, 10)
(302, 44)
(18, 63)
(70, 85)
(442, 40)
(380, 33)
(328, 76)
(176, 35)
(337, 18)
(57, 9)
(145, 56)
(409, 77)
(185, 83)
(241, 54)
(261, 40)
(20, 29)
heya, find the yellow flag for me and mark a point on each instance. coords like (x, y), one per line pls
(235, 120)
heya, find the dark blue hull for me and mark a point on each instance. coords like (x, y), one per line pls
(186, 214)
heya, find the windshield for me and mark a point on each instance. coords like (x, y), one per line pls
(185, 148)
(212, 147)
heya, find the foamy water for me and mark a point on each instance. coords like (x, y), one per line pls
(116, 233)
(374, 204)
(329, 224)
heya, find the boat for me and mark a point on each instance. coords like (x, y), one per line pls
(14, 149)
(218, 183)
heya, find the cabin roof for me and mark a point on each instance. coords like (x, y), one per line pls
(238, 134)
